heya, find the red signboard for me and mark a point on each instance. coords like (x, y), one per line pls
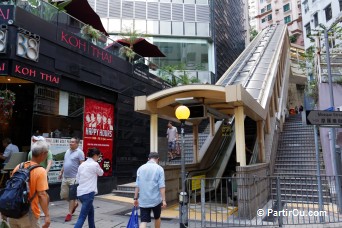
(98, 131)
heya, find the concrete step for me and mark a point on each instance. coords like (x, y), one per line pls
(297, 163)
(291, 198)
(126, 190)
(129, 194)
(293, 160)
(296, 166)
(299, 151)
(301, 192)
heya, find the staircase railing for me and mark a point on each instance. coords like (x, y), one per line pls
(255, 153)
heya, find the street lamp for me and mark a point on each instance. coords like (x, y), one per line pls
(182, 114)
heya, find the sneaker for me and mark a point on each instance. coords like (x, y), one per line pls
(73, 210)
(68, 217)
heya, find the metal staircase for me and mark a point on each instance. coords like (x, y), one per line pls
(296, 164)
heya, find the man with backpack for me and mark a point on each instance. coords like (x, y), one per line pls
(37, 189)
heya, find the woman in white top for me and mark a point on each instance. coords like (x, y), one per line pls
(86, 177)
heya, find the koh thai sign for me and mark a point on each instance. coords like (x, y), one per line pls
(6, 13)
(34, 74)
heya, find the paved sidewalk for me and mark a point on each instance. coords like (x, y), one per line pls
(108, 214)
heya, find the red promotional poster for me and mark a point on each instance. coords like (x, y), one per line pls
(98, 131)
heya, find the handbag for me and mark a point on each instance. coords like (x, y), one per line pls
(133, 219)
(73, 191)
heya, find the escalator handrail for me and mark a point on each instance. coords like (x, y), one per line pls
(214, 161)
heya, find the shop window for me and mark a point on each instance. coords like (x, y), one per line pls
(269, 17)
(263, 20)
(57, 114)
(287, 19)
(286, 7)
(328, 13)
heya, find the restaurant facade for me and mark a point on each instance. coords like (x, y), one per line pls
(57, 83)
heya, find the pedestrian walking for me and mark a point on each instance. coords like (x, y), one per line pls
(172, 137)
(150, 191)
(38, 185)
(87, 179)
(72, 160)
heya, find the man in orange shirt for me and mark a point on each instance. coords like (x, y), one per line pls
(38, 185)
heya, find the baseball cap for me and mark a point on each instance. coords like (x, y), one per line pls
(153, 155)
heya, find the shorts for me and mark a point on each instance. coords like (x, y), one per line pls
(27, 221)
(172, 146)
(65, 187)
(145, 213)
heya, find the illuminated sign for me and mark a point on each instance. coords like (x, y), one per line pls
(35, 74)
(3, 67)
(6, 14)
(28, 45)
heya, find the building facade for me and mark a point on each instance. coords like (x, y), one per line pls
(58, 83)
(201, 37)
(281, 12)
(316, 13)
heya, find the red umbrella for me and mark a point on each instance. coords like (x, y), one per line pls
(142, 47)
(81, 10)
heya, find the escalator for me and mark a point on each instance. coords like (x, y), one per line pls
(222, 150)
(252, 70)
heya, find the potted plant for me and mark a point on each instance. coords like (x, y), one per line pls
(90, 33)
(130, 36)
(129, 53)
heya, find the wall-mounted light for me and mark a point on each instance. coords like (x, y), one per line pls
(28, 45)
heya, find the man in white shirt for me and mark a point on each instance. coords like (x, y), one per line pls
(87, 178)
(9, 150)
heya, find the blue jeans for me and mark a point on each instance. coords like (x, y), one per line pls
(86, 210)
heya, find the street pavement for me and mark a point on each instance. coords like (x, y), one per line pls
(110, 211)
(113, 211)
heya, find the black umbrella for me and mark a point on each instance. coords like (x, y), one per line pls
(81, 10)
(142, 47)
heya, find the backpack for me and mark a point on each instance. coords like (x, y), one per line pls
(14, 198)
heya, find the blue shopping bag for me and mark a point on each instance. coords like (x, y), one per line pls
(133, 220)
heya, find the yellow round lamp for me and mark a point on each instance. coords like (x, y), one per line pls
(182, 112)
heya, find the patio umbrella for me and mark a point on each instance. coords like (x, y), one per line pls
(142, 47)
(81, 10)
